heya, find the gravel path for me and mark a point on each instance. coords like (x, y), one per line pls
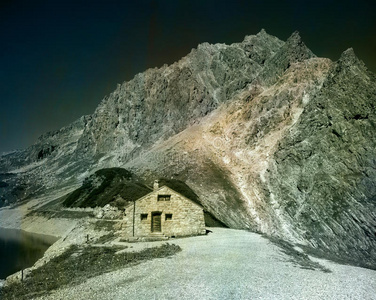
(226, 264)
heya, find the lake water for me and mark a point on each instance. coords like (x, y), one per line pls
(20, 249)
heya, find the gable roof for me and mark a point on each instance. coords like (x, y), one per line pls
(172, 190)
(181, 187)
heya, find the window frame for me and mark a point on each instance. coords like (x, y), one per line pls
(164, 198)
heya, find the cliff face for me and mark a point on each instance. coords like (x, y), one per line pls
(159, 103)
(323, 172)
(270, 137)
(43, 167)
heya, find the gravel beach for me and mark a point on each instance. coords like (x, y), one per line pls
(226, 264)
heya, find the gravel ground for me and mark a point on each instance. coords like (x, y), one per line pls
(226, 264)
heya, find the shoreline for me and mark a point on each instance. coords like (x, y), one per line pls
(67, 231)
(22, 249)
(58, 228)
(17, 218)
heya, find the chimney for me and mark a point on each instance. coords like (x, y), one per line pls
(155, 185)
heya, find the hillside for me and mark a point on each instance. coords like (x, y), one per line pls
(270, 138)
(112, 185)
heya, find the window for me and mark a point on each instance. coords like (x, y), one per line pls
(164, 197)
(168, 217)
(144, 217)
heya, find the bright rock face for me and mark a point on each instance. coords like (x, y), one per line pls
(270, 137)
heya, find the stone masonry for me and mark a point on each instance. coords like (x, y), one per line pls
(163, 212)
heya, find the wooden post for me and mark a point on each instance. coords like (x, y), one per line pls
(87, 238)
(22, 275)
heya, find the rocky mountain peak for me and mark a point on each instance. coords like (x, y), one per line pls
(267, 135)
(296, 46)
(292, 51)
(294, 38)
(262, 32)
(349, 58)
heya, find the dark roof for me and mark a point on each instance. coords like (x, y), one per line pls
(181, 187)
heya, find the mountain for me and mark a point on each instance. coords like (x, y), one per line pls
(270, 138)
(110, 185)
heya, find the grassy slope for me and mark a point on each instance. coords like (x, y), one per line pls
(104, 186)
(76, 265)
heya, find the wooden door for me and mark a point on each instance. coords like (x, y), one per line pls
(156, 225)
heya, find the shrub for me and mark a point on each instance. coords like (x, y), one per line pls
(76, 265)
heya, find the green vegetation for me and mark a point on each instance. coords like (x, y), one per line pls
(105, 225)
(105, 238)
(73, 197)
(104, 187)
(76, 265)
(73, 214)
(60, 214)
(112, 172)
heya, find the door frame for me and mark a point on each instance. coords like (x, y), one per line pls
(156, 213)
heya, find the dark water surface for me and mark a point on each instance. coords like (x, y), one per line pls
(20, 249)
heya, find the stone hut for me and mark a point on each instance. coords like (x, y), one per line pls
(163, 213)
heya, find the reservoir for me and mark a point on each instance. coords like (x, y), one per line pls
(20, 249)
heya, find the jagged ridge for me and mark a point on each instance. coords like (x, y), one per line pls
(270, 137)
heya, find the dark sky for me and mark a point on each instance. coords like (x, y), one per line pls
(58, 59)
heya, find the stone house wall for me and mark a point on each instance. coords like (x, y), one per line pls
(184, 217)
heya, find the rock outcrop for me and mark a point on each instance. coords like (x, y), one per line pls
(323, 172)
(270, 137)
